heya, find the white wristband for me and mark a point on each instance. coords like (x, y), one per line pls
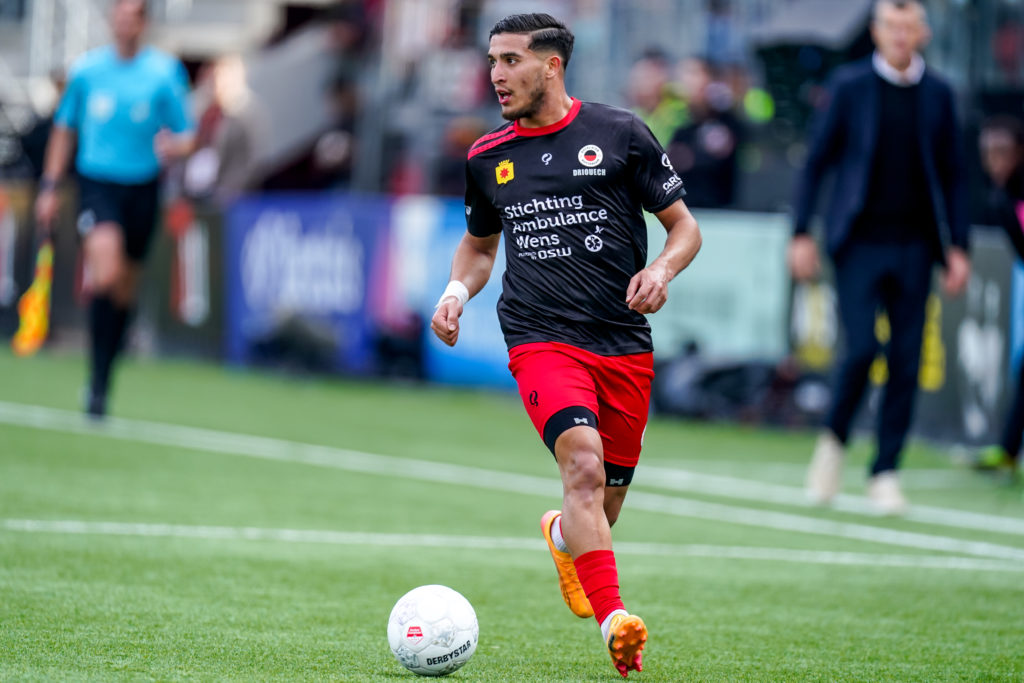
(457, 290)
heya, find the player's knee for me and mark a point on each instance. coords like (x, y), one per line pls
(585, 473)
(103, 276)
(580, 460)
(104, 262)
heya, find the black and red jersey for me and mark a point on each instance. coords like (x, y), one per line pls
(569, 199)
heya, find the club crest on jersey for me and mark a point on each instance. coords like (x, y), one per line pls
(591, 156)
(504, 172)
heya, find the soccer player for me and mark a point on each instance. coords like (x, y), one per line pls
(125, 105)
(565, 182)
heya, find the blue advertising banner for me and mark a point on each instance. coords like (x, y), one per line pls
(297, 272)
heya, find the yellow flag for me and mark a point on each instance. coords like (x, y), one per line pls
(34, 306)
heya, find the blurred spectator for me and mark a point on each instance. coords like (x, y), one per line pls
(335, 150)
(221, 168)
(1001, 145)
(653, 97)
(452, 78)
(450, 175)
(890, 133)
(1008, 48)
(33, 141)
(439, 75)
(315, 152)
(350, 31)
(703, 148)
(724, 42)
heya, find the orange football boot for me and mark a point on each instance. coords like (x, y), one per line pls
(626, 638)
(572, 590)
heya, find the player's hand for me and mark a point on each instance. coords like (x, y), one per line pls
(802, 257)
(47, 206)
(958, 271)
(445, 322)
(648, 290)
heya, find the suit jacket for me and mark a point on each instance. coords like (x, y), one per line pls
(844, 137)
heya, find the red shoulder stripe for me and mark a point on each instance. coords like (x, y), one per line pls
(505, 130)
(493, 143)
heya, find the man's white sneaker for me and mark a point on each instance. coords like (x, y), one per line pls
(826, 469)
(885, 493)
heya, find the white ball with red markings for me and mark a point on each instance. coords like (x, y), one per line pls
(433, 630)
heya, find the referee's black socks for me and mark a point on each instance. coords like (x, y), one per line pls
(108, 323)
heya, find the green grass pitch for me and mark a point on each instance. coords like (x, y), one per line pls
(232, 525)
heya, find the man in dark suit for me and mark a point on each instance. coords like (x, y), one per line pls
(890, 133)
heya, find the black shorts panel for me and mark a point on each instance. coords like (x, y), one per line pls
(580, 416)
(617, 475)
(564, 420)
(133, 208)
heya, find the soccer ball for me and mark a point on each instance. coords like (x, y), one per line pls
(432, 630)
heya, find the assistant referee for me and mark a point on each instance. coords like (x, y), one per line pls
(125, 106)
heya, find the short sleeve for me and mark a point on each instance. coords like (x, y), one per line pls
(482, 219)
(655, 182)
(175, 106)
(69, 111)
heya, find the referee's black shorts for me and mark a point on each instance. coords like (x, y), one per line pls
(133, 208)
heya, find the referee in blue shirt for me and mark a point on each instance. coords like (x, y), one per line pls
(125, 105)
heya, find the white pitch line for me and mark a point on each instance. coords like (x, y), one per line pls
(355, 461)
(316, 536)
(746, 489)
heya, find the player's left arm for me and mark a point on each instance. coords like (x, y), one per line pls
(648, 289)
(176, 138)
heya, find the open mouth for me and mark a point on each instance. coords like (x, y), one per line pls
(503, 96)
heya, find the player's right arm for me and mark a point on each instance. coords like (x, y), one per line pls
(55, 165)
(471, 265)
(176, 139)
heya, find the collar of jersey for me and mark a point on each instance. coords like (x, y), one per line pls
(556, 126)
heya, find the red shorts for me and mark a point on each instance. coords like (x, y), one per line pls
(561, 384)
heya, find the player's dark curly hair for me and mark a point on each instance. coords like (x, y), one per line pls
(546, 33)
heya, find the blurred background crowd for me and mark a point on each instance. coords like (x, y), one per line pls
(340, 99)
(386, 95)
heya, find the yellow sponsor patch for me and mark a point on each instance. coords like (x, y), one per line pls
(504, 172)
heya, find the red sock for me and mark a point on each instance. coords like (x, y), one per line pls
(600, 580)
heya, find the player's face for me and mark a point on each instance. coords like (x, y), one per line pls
(517, 75)
(899, 33)
(128, 20)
